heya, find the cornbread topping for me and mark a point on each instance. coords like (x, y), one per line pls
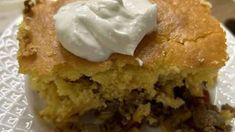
(169, 92)
(94, 29)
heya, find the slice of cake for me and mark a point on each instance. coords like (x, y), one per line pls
(164, 84)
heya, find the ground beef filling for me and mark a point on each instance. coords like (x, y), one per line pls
(196, 115)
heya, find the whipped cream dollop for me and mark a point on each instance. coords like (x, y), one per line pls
(94, 29)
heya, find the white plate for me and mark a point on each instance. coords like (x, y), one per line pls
(15, 113)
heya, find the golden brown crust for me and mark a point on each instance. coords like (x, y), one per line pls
(187, 37)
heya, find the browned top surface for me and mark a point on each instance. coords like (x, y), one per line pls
(187, 37)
